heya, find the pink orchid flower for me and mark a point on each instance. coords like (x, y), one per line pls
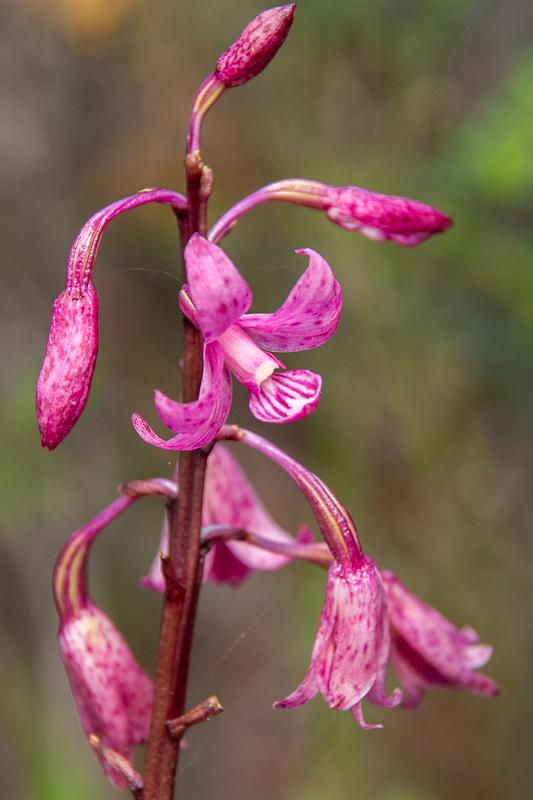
(216, 300)
(427, 650)
(112, 693)
(230, 501)
(351, 650)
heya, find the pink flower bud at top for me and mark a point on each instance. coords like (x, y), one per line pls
(381, 217)
(256, 46)
(66, 374)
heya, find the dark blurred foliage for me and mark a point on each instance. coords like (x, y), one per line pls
(425, 427)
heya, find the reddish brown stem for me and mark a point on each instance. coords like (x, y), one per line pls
(182, 568)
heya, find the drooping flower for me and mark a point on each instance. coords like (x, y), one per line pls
(113, 695)
(66, 374)
(230, 501)
(428, 651)
(216, 300)
(351, 650)
(378, 216)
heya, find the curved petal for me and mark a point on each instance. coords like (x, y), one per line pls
(309, 315)
(219, 292)
(286, 396)
(428, 645)
(196, 423)
(231, 500)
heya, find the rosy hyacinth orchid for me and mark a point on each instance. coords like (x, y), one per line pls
(230, 501)
(378, 216)
(112, 693)
(428, 651)
(351, 650)
(68, 366)
(216, 300)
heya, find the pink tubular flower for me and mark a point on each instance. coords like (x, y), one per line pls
(68, 366)
(378, 216)
(427, 650)
(216, 300)
(112, 693)
(230, 501)
(351, 650)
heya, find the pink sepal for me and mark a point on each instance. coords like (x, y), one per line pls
(308, 317)
(196, 423)
(427, 650)
(218, 291)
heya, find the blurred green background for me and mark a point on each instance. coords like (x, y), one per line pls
(425, 427)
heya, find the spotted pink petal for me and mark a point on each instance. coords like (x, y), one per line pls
(286, 396)
(230, 499)
(68, 365)
(112, 693)
(308, 317)
(196, 423)
(428, 650)
(218, 291)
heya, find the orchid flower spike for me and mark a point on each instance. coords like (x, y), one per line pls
(216, 300)
(243, 60)
(377, 216)
(230, 501)
(112, 693)
(427, 650)
(351, 650)
(68, 366)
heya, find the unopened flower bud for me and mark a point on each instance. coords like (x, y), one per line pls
(381, 216)
(113, 694)
(68, 366)
(256, 46)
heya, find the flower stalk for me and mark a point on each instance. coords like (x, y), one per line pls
(182, 568)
